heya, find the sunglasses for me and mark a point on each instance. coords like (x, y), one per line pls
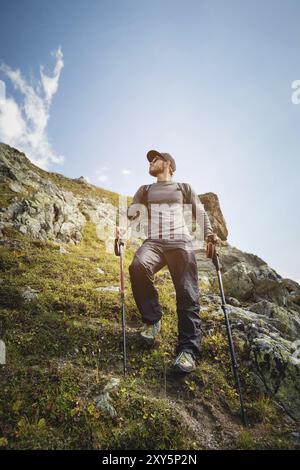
(154, 159)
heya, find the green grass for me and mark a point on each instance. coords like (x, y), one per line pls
(65, 344)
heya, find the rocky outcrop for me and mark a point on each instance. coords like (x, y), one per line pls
(43, 210)
(213, 209)
(274, 351)
(265, 316)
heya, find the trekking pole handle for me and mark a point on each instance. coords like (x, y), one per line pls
(118, 242)
(211, 253)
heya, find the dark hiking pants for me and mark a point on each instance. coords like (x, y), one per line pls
(150, 257)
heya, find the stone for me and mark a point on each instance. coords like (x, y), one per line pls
(15, 187)
(204, 282)
(100, 271)
(211, 205)
(29, 294)
(233, 301)
(274, 356)
(112, 384)
(104, 401)
(287, 322)
(108, 289)
(295, 438)
(49, 212)
(82, 179)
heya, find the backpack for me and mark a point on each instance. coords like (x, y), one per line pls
(185, 188)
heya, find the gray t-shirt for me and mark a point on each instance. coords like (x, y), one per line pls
(169, 219)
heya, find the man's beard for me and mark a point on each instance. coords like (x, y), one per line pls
(154, 171)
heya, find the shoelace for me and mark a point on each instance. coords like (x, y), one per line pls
(184, 355)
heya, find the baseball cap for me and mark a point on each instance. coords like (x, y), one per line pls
(165, 156)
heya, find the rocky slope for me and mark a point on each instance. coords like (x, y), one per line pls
(59, 309)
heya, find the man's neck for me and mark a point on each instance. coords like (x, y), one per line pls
(163, 178)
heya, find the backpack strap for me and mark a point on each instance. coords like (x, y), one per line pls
(185, 188)
(145, 194)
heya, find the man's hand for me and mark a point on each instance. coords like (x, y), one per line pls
(120, 232)
(213, 238)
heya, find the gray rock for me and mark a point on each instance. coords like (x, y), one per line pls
(100, 271)
(233, 301)
(48, 212)
(29, 294)
(286, 321)
(212, 207)
(275, 358)
(246, 277)
(295, 438)
(15, 187)
(104, 403)
(82, 180)
(112, 384)
(108, 289)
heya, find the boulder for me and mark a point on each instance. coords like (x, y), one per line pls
(274, 356)
(211, 205)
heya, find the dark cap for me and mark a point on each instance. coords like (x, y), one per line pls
(165, 156)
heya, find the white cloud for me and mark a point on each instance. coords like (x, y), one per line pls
(126, 172)
(13, 125)
(2, 92)
(50, 84)
(23, 125)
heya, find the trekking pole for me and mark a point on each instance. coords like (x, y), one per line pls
(212, 253)
(119, 251)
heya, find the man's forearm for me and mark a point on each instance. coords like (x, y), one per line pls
(203, 221)
(201, 216)
(131, 218)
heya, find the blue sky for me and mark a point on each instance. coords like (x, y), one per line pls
(207, 81)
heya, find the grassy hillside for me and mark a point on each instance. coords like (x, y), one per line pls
(65, 345)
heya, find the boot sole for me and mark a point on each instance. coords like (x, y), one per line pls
(147, 341)
(178, 368)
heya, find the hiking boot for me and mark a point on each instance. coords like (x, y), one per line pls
(185, 362)
(149, 332)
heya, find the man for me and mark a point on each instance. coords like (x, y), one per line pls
(168, 243)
